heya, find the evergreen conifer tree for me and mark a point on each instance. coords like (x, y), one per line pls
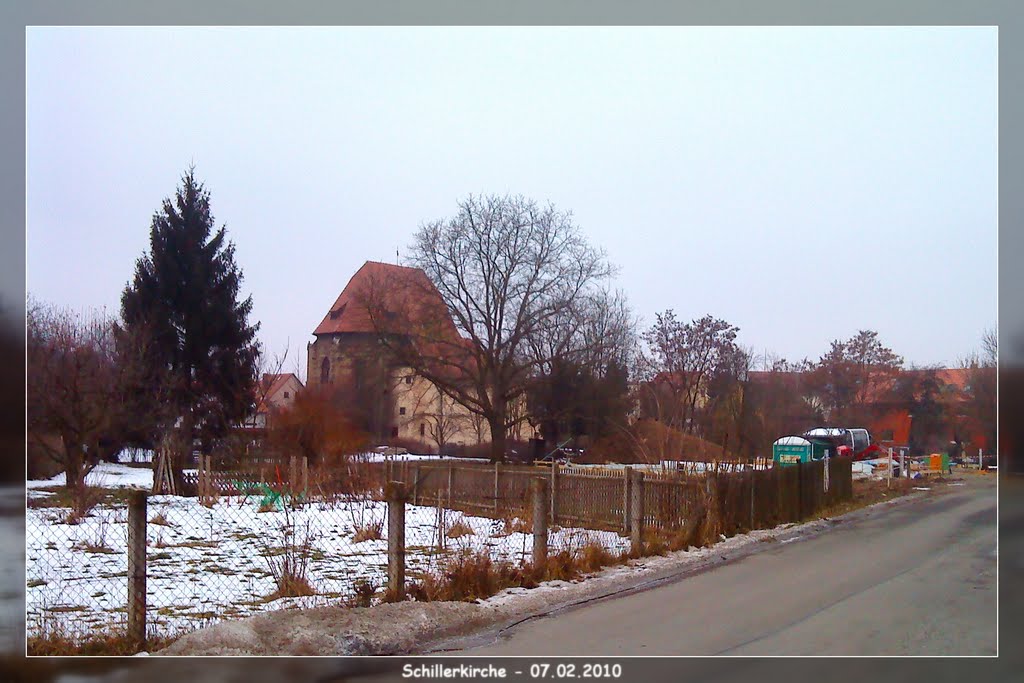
(183, 315)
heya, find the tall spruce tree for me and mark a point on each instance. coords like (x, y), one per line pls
(183, 313)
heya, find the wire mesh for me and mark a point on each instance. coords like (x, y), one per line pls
(309, 538)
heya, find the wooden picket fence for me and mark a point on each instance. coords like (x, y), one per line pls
(600, 498)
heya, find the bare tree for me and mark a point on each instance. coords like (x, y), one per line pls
(501, 274)
(680, 362)
(777, 401)
(853, 376)
(582, 385)
(76, 388)
(982, 380)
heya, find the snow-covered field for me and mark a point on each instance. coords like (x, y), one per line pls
(206, 564)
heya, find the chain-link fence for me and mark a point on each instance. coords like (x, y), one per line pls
(102, 560)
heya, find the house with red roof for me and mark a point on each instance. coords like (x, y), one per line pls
(273, 392)
(892, 421)
(349, 359)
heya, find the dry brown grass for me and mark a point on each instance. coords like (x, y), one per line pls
(458, 529)
(474, 575)
(372, 530)
(290, 585)
(515, 524)
(471, 575)
(160, 518)
(55, 641)
(594, 556)
(868, 492)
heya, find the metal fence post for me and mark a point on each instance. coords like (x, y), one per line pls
(636, 526)
(137, 569)
(627, 507)
(540, 523)
(397, 495)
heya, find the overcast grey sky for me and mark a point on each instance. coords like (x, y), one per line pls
(802, 183)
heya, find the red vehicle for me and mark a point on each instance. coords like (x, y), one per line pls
(845, 442)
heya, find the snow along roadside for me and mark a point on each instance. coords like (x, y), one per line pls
(436, 627)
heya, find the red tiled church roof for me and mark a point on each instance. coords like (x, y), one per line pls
(390, 290)
(383, 297)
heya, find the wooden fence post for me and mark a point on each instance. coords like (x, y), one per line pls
(553, 493)
(636, 524)
(497, 471)
(826, 470)
(137, 569)
(799, 491)
(627, 507)
(753, 478)
(416, 485)
(540, 523)
(396, 494)
(201, 484)
(451, 482)
(440, 522)
(305, 475)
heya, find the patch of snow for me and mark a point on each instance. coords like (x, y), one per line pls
(207, 564)
(106, 475)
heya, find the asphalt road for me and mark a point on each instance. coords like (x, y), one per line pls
(917, 578)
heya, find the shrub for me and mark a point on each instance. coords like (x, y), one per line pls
(368, 527)
(459, 528)
(372, 530)
(288, 563)
(363, 591)
(160, 518)
(83, 499)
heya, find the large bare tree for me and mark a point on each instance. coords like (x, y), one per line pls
(76, 398)
(521, 285)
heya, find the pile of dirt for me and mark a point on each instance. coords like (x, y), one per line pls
(649, 441)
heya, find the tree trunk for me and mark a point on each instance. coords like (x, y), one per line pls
(72, 467)
(497, 439)
(181, 451)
